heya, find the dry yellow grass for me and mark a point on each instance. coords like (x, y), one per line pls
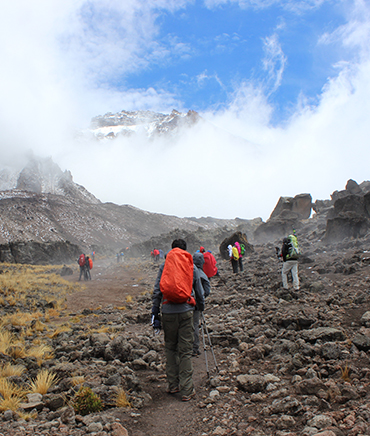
(19, 283)
(9, 370)
(129, 299)
(77, 380)
(12, 395)
(6, 339)
(345, 373)
(43, 382)
(40, 352)
(59, 330)
(121, 399)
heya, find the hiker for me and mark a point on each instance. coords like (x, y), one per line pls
(199, 263)
(240, 262)
(290, 253)
(177, 317)
(88, 266)
(209, 266)
(234, 257)
(156, 255)
(81, 262)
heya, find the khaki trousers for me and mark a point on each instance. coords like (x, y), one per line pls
(178, 337)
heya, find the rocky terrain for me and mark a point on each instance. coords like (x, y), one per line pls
(289, 363)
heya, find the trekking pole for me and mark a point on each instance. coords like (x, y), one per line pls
(204, 348)
(209, 340)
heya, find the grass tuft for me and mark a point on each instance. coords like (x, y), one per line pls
(121, 399)
(43, 382)
(9, 370)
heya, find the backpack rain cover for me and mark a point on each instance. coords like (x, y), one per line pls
(177, 277)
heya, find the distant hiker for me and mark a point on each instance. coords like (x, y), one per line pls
(209, 266)
(161, 254)
(93, 255)
(118, 257)
(122, 256)
(81, 262)
(234, 257)
(199, 263)
(240, 260)
(88, 266)
(156, 255)
(290, 252)
(177, 290)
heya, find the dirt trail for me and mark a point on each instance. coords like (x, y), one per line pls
(166, 414)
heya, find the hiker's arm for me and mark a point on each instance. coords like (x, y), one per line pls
(198, 289)
(206, 286)
(157, 294)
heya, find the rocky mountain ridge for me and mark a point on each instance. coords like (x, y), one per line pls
(150, 123)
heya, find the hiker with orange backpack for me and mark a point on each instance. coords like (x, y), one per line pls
(177, 290)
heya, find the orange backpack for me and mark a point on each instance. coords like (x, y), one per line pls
(177, 277)
(90, 263)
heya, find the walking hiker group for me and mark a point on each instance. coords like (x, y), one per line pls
(236, 253)
(85, 263)
(178, 298)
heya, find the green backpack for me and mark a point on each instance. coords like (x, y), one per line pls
(293, 248)
(242, 249)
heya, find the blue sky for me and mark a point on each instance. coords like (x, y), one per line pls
(276, 81)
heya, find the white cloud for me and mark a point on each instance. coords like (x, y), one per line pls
(274, 62)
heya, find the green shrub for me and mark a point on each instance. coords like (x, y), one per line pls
(86, 401)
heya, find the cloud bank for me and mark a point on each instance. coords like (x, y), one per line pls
(68, 61)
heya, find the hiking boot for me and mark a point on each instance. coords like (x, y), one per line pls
(196, 353)
(188, 397)
(174, 390)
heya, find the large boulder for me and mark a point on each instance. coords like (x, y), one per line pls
(350, 218)
(352, 188)
(235, 237)
(300, 205)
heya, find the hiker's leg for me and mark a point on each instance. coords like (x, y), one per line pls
(295, 275)
(284, 274)
(185, 346)
(170, 329)
(234, 263)
(240, 264)
(196, 316)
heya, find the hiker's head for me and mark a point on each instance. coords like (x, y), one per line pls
(198, 260)
(179, 243)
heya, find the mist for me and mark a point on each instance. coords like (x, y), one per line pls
(235, 163)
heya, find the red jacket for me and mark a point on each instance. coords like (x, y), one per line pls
(209, 266)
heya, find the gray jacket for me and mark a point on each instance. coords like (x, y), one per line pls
(198, 260)
(197, 293)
